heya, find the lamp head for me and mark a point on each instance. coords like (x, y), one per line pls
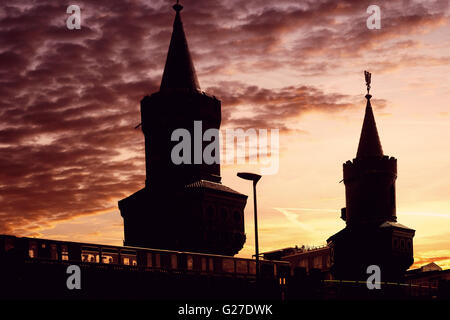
(249, 176)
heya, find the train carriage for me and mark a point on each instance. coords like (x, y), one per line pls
(143, 258)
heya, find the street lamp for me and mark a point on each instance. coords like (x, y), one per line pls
(255, 178)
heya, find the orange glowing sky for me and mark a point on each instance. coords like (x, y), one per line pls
(70, 101)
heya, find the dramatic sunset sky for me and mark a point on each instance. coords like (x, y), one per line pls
(70, 101)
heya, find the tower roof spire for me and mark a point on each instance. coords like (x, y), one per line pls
(369, 142)
(179, 71)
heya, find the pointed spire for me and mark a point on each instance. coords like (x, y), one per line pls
(369, 142)
(179, 71)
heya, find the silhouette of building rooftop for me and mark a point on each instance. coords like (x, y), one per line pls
(389, 224)
(213, 186)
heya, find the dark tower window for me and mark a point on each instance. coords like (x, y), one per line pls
(224, 213)
(210, 212)
(237, 216)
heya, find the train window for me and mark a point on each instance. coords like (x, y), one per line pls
(173, 261)
(90, 254)
(157, 260)
(9, 244)
(228, 265)
(129, 260)
(43, 251)
(252, 267)
(32, 249)
(317, 262)
(190, 262)
(204, 266)
(107, 259)
(64, 253)
(149, 259)
(110, 255)
(241, 266)
(197, 263)
(310, 262)
(218, 265)
(211, 264)
(128, 257)
(303, 263)
(165, 261)
(53, 252)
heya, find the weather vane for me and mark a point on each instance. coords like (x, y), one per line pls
(368, 76)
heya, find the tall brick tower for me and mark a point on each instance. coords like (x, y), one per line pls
(372, 235)
(183, 206)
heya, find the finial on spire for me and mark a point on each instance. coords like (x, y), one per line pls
(179, 71)
(178, 7)
(368, 77)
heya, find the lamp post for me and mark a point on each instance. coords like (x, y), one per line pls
(255, 178)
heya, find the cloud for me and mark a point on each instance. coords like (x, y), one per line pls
(273, 108)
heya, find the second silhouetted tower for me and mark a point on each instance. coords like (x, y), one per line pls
(372, 235)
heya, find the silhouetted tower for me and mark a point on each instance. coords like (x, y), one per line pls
(372, 235)
(183, 206)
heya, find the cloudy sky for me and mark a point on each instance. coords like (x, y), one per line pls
(70, 102)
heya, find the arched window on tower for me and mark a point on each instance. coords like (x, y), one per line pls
(224, 213)
(237, 216)
(210, 212)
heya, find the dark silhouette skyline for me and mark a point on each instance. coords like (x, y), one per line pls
(183, 206)
(70, 103)
(182, 229)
